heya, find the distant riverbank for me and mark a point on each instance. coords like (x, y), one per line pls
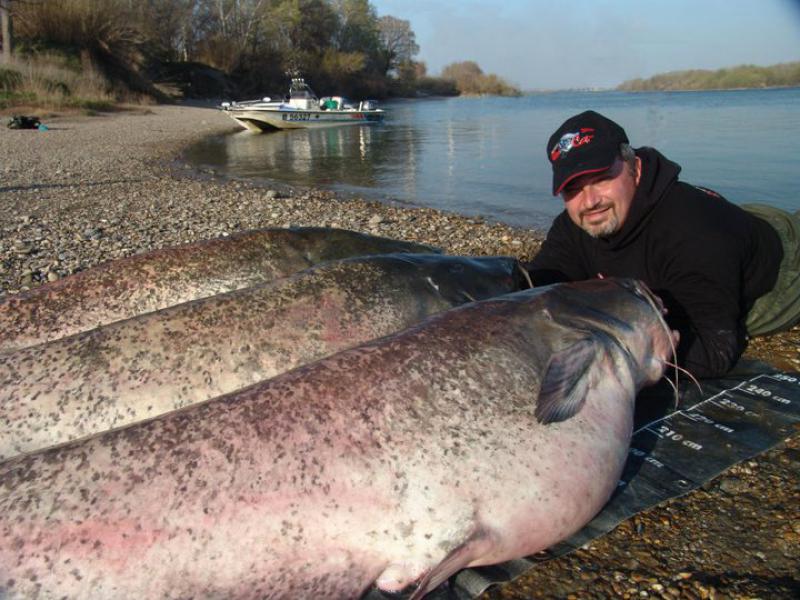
(742, 77)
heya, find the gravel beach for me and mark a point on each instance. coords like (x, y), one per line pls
(92, 189)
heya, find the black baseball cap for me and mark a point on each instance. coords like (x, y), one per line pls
(585, 143)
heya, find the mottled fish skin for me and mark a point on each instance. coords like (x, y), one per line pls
(146, 282)
(140, 368)
(399, 461)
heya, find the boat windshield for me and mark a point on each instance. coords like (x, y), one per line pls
(300, 90)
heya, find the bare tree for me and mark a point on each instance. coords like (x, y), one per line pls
(237, 19)
(398, 40)
(171, 26)
(5, 29)
(233, 30)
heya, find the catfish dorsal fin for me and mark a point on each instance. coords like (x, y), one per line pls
(478, 544)
(565, 382)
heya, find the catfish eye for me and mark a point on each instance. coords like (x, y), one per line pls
(632, 285)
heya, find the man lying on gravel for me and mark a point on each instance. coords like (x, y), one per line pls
(723, 271)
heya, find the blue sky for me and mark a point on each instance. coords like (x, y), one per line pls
(550, 44)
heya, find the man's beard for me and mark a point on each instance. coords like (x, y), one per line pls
(604, 229)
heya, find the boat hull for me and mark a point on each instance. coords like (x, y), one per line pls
(265, 119)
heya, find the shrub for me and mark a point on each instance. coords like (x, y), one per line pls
(468, 78)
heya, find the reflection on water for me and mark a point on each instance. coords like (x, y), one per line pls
(487, 156)
(431, 153)
(315, 156)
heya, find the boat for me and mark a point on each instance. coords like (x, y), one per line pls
(301, 109)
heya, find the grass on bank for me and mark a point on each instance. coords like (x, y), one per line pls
(52, 82)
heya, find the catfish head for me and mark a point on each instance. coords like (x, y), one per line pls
(621, 316)
(461, 279)
(628, 312)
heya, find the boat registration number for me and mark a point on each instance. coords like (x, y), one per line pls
(296, 117)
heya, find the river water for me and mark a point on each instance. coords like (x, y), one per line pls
(486, 156)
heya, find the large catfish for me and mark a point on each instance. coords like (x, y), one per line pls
(485, 433)
(142, 367)
(143, 283)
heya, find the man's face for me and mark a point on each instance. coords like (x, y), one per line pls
(599, 203)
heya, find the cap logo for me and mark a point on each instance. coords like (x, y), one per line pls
(569, 141)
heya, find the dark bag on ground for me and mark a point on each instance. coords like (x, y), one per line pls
(23, 122)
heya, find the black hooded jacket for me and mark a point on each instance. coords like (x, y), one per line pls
(708, 260)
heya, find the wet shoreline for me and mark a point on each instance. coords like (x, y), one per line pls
(92, 189)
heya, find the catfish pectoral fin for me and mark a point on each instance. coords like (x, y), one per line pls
(565, 383)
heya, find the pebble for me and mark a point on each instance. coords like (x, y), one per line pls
(732, 485)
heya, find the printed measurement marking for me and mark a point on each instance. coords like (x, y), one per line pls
(722, 398)
(648, 459)
(764, 393)
(758, 391)
(784, 377)
(665, 432)
(697, 417)
(727, 402)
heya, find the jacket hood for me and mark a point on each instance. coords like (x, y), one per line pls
(659, 174)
